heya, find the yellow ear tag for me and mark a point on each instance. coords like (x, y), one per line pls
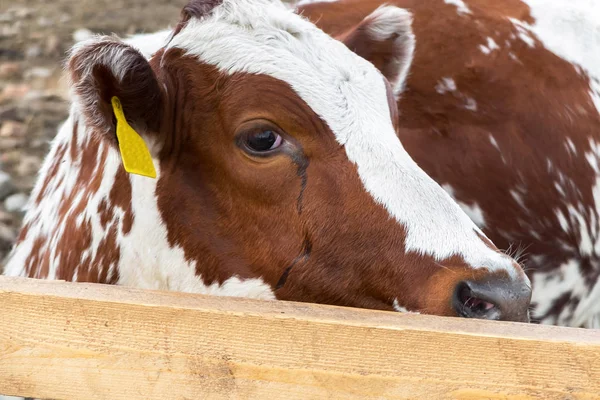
(136, 156)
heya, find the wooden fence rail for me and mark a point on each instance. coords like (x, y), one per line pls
(83, 341)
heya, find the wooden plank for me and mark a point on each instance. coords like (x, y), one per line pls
(83, 341)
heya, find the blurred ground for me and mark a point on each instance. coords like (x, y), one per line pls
(34, 36)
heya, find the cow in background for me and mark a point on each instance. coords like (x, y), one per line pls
(501, 107)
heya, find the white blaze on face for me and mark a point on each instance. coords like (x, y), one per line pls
(349, 94)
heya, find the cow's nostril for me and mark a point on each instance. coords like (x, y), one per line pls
(470, 304)
(494, 298)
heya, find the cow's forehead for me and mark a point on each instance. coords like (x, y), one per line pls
(262, 37)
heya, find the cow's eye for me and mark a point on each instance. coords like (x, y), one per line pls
(263, 140)
(260, 138)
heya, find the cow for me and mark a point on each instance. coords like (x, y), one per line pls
(277, 173)
(501, 108)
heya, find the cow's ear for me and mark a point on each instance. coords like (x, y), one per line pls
(385, 38)
(104, 67)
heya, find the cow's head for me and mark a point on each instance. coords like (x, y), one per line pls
(278, 159)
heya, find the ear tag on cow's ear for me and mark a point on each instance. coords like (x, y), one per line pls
(134, 152)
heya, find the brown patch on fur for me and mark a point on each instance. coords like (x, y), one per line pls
(103, 211)
(23, 233)
(52, 173)
(35, 264)
(516, 9)
(73, 146)
(108, 255)
(120, 196)
(70, 249)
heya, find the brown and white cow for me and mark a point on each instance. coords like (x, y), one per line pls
(280, 174)
(501, 108)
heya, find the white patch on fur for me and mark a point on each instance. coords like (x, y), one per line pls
(560, 189)
(461, 7)
(445, 85)
(571, 146)
(494, 142)
(518, 198)
(448, 85)
(523, 32)
(579, 217)
(401, 309)
(549, 286)
(587, 313)
(474, 212)
(449, 189)
(149, 43)
(470, 104)
(387, 21)
(349, 94)
(305, 2)
(571, 30)
(586, 246)
(562, 220)
(491, 46)
(583, 221)
(593, 155)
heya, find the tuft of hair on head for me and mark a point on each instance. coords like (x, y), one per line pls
(196, 9)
